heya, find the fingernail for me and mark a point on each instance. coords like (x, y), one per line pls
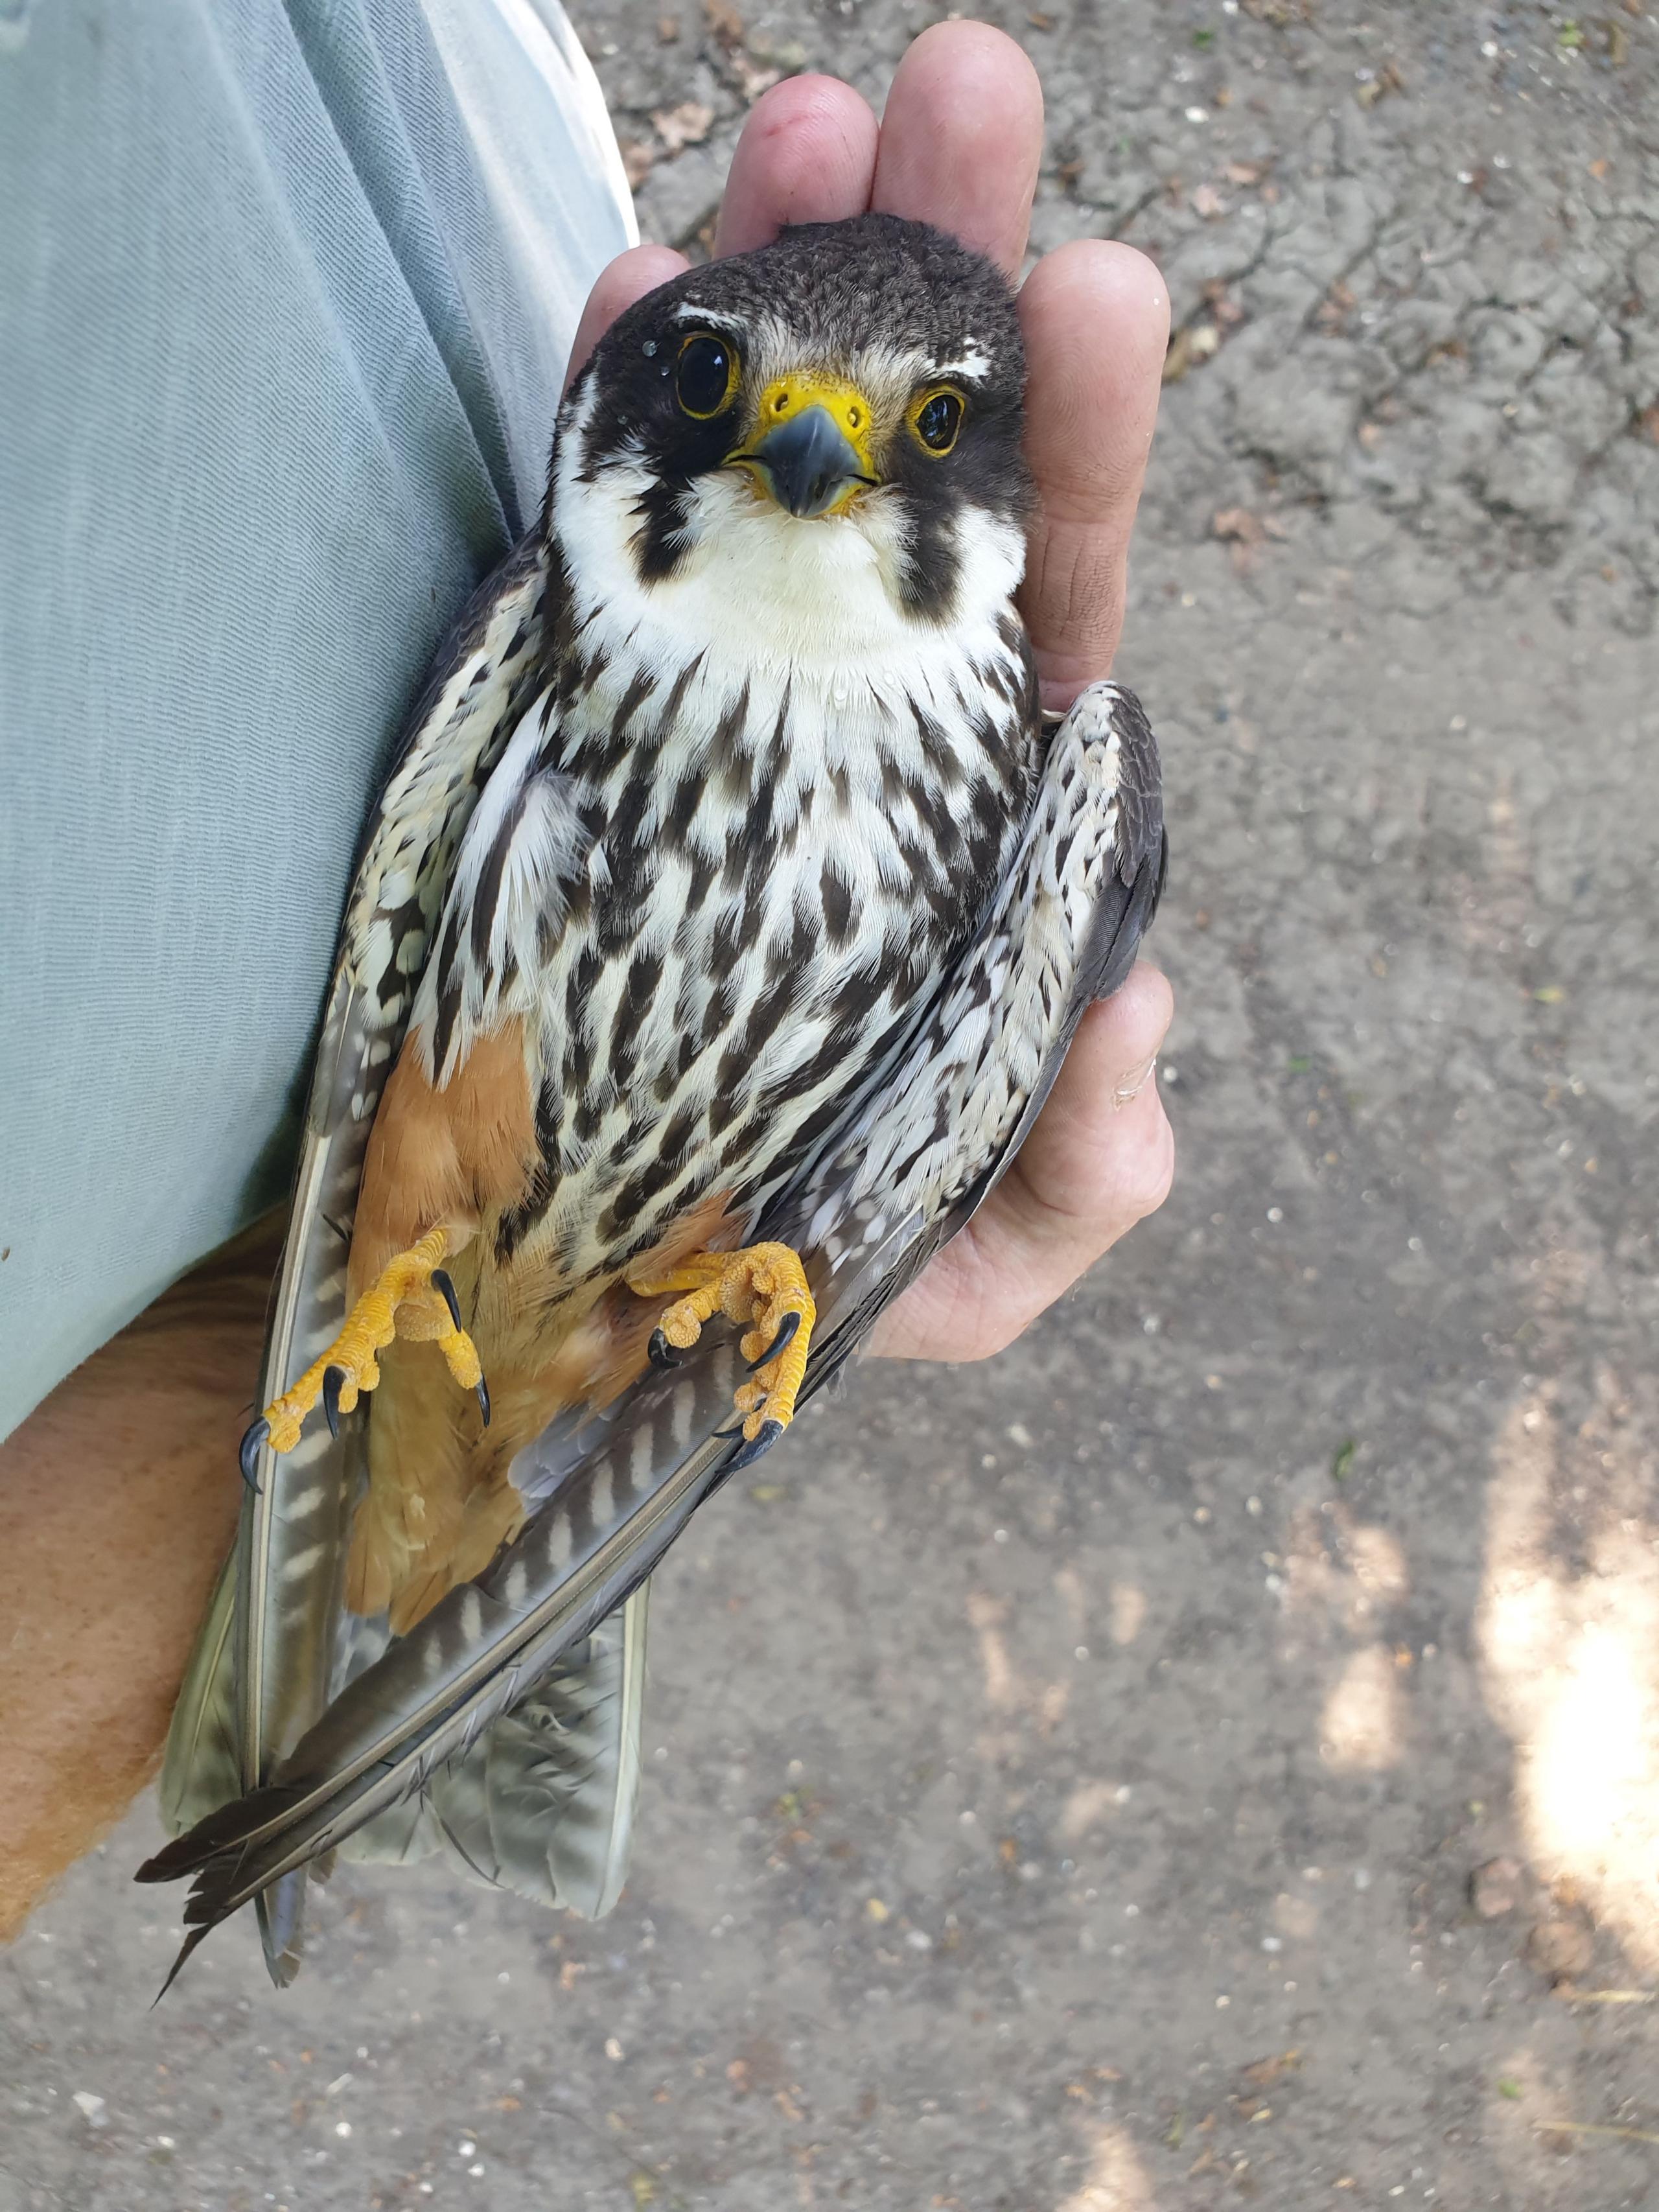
(1129, 1087)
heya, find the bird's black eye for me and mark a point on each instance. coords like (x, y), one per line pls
(937, 419)
(705, 375)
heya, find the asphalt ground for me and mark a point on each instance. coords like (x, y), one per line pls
(1211, 1751)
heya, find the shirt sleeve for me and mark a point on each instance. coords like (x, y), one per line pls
(290, 290)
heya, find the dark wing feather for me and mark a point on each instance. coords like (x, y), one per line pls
(274, 1662)
(1126, 902)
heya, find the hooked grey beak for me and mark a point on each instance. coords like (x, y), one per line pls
(808, 462)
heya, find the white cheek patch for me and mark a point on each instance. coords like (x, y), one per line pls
(818, 600)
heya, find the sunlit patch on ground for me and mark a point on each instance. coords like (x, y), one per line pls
(1569, 1640)
(1361, 1730)
(1344, 1579)
(1010, 1696)
(1116, 2179)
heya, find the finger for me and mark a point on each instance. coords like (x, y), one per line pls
(807, 155)
(1096, 317)
(961, 139)
(624, 280)
(1098, 1159)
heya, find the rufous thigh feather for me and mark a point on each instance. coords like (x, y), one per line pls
(440, 1502)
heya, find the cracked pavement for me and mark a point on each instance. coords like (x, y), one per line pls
(1211, 1753)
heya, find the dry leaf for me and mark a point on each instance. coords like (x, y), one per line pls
(668, 29)
(1266, 2071)
(1496, 1887)
(753, 78)
(1387, 80)
(638, 159)
(1187, 348)
(1559, 1948)
(723, 21)
(688, 124)
(1238, 524)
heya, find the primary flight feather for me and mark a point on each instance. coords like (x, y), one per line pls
(718, 935)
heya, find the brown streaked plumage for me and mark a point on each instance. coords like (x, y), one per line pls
(766, 924)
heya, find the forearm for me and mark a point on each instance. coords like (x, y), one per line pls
(119, 1498)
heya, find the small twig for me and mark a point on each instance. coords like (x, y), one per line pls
(1589, 2128)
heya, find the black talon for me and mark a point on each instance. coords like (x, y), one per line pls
(333, 1383)
(770, 1433)
(446, 1289)
(789, 1328)
(481, 1392)
(248, 1455)
(663, 1353)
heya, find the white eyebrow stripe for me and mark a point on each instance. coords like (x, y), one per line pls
(689, 312)
(972, 368)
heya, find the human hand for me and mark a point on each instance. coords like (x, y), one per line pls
(959, 146)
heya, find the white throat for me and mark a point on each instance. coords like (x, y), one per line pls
(768, 598)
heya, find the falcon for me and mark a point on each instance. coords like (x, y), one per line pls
(718, 934)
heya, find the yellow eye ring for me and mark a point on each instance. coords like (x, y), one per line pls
(705, 375)
(936, 418)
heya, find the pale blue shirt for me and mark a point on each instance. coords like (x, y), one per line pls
(286, 294)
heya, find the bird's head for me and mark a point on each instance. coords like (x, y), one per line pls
(837, 414)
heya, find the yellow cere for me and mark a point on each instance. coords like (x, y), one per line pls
(786, 397)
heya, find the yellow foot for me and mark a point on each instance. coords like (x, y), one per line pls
(413, 1298)
(765, 1288)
